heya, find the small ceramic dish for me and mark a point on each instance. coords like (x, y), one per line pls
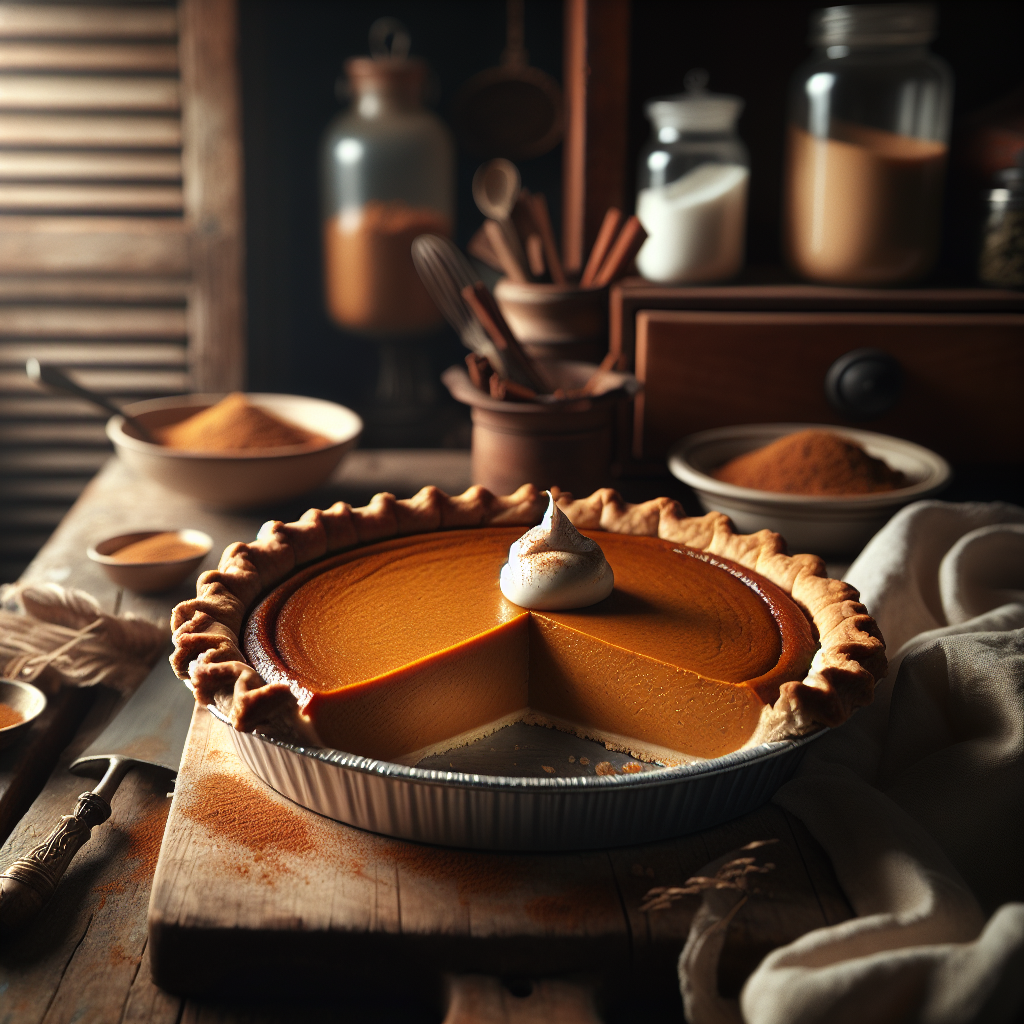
(24, 698)
(247, 478)
(824, 525)
(149, 577)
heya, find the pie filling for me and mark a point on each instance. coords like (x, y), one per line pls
(407, 648)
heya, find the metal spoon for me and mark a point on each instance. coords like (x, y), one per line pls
(58, 380)
(496, 187)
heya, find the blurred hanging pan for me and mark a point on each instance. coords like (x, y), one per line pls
(513, 110)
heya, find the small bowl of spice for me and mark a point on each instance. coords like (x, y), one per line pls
(826, 489)
(20, 705)
(152, 561)
(236, 451)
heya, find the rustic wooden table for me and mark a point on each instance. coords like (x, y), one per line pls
(86, 959)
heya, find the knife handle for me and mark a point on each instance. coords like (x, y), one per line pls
(29, 882)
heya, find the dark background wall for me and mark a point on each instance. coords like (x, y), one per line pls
(292, 55)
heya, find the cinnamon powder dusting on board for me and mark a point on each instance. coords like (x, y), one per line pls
(811, 462)
(233, 424)
(9, 716)
(237, 811)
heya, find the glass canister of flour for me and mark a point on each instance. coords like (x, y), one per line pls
(387, 175)
(692, 181)
(868, 135)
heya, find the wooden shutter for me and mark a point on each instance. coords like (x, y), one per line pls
(120, 230)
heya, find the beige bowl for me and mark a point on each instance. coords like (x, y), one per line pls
(244, 479)
(555, 321)
(27, 700)
(821, 525)
(149, 577)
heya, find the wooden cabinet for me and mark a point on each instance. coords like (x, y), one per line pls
(710, 357)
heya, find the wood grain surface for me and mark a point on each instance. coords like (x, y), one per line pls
(560, 936)
(245, 875)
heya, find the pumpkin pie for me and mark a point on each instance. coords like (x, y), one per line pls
(382, 631)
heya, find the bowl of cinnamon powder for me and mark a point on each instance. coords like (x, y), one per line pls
(152, 561)
(20, 704)
(237, 451)
(826, 489)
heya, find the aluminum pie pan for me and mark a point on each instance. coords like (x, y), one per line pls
(509, 813)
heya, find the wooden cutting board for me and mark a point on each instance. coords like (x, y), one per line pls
(254, 893)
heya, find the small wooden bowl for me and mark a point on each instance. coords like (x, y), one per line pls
(29, 701)
(556, 321)
(149, 577)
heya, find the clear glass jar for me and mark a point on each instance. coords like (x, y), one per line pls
(868, 134)
(692, 187)
(387, 175)
(1001, 260)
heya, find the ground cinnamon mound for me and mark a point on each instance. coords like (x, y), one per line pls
(234, 423)
(9, 717)
(163, 547)
(811, 462)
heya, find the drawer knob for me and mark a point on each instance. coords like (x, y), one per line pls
(864, 383)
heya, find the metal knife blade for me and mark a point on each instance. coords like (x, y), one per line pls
(149, 730)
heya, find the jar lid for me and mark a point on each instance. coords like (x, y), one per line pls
(873, 25)
(695, 112)
(389, 66)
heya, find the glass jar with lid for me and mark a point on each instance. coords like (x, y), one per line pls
(868, 134)
(692, 187)
(388, 175)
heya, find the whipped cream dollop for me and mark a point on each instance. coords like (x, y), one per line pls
(553, 567)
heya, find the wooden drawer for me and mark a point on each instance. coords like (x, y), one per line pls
(963, 376)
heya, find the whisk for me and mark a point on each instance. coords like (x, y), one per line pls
(444, 272)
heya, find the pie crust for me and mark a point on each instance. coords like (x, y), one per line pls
(849, 659)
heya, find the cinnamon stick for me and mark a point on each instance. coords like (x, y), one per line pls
(605, 237)
(626, 246)
(479, 370)
(480, 300)
(606, 366)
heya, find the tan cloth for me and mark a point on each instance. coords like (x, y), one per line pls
(918, 799)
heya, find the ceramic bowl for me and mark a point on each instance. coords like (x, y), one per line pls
(823, 525)
(149, 577)
(27, 700)
(238, 479)
(555, 321)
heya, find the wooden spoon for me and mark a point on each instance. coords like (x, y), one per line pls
(496, 187)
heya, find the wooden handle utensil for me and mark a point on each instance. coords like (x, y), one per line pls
(503, 250)
(605, 238)
(542, 219)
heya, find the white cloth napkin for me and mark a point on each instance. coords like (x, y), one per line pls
(919, 798)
